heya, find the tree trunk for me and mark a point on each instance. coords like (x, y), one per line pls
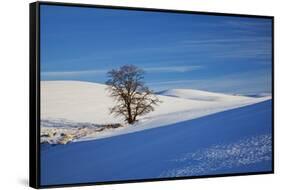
(130, 118)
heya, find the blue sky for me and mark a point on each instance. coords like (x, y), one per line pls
(214, 53)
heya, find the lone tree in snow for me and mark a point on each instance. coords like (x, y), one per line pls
(132, 97)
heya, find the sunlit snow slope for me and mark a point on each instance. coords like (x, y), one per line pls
(90, 102)
(85, 102)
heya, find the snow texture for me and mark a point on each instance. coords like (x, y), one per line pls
(244, 152)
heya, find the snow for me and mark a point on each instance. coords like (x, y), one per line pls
(199, 95)
(76, 101)
(246, 151)
(233, 141)
(74, 104)
(59, 131)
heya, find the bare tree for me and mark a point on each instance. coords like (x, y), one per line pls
(132, 97)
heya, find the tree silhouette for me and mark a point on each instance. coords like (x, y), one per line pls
(132, 97)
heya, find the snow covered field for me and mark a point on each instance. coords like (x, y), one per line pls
(233, 141)
(75, 111)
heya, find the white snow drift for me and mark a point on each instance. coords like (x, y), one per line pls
(88, 103)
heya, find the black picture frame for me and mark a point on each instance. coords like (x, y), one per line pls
(34, 91)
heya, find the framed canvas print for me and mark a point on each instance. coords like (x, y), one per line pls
(120, 94)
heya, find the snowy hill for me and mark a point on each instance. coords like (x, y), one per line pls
(76, 101)
(84, 102)
(200, 95)
(234, 141)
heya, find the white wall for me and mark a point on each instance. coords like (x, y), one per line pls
(14, 92)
